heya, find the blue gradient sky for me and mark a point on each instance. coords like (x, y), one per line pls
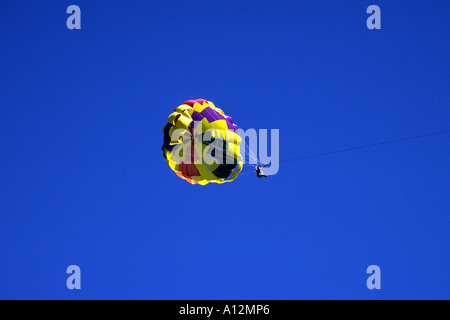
(83, 180)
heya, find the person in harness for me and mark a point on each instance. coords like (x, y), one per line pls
(259, 171)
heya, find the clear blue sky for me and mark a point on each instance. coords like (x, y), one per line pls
(83, 179)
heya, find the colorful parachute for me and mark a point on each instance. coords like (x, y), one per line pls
(201, 144)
